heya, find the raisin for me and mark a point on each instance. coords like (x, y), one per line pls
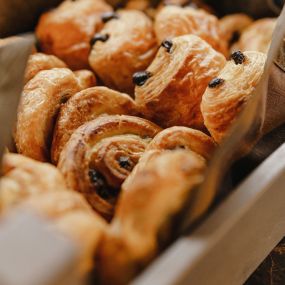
(99, 182)
(167, 44)
(140, 77)
(216, 82)
(109, 16)
(99, 37)
(238, 57)
(125, 163)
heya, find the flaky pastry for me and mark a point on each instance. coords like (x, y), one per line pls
(85, 106)
(227, 94)
(174, 21)
(100, 155)
(147, 205)
(170, 91)
(125, 45)
(39, 106)
(67, 30)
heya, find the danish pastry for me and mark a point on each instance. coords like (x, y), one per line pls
(100, 155)
(125, 45)
(72, 216)
(147, 205)
(227, 94)
(86, 106)
(174, 21)
(170, 91)
(40, 103)
(257, 37)
(40, 61)
(24, 177)
(67, 30)
(182, 137)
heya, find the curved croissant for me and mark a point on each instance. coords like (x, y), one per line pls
(170, 91)
(85, 106)
(173, 21)
(39, 106)
(24, 177)
(228, 93)
(147, 205)
(71, 215)
(125, 45)
(101, 154)
(67, 30)
(185, 138)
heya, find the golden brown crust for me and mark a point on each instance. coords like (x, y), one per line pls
(24, 177)
(149, 200)
(257, 37)
(71, 215)
(85, 106)
(85, 78)
(131, 46)
(174, 21)
(186, 138)
(222, 104)
(67, 30)
(179, 77)
(100, 155)
(40, 61)
(39, 106)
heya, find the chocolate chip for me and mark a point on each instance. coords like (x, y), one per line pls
(140, 77)
(100, 184)
(125, 163)
(238, 57)
(99, 38)
(167, 44)
(109, 16)
(216, 82)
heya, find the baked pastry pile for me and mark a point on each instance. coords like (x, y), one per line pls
(120, 114)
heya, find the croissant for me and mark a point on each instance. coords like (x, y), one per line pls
(71, 215)
(125, 45)
(39, 106)
(67, 30)
(173, 21)
(40, 61)
(169, 92)
(257, 37)
(24, 177)
(185, 138)
(227, 94)
(100, 155)
(144, 215)
(86, 106)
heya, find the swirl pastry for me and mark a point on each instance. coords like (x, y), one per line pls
(40, 103)
(72, 216)
(125, 45)
(173, 21)
(170, 91)
(257, 37)
(100, 155)
(227, 94)
(40, 61)
(185, 138)
(67, 30)
(24, 177)
(85, 106)
(143, 219)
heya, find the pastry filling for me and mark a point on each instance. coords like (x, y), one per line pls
(106, 17)
(125, 163)
(99, 38)
(140, 77)
(167, 44)
(216, 82)
(238, 57)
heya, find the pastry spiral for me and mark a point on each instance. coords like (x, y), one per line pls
(228, 93)
(174, 21)
(171, 91)
(147, 205)
(71, 215)
(185, 138)
(125, 45)
(67, 30)
(39, 106)
(85, 106)
(100, 155)
(24, 177)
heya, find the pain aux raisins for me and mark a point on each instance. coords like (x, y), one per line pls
(238, 57)
(99, 38)
(216, 82)
(167, 44)
(140, 77)
(108, 16)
